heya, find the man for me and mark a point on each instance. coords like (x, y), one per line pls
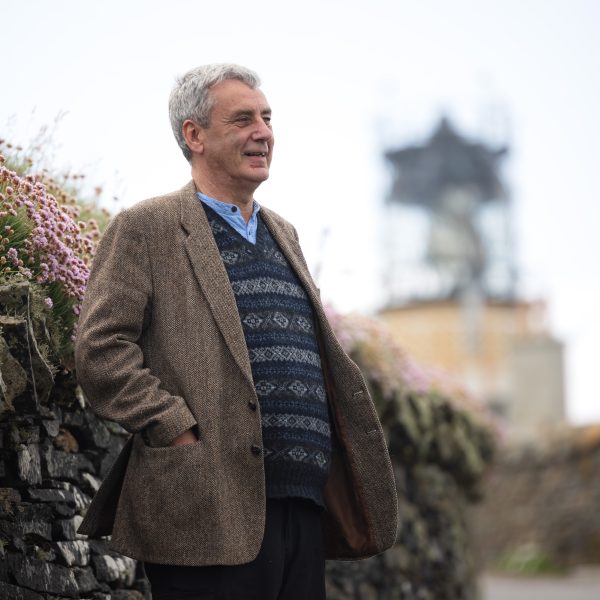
(256, 451)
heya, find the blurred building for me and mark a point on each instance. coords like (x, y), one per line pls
(451, 280)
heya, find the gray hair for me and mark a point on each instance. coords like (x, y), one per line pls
(191, 98)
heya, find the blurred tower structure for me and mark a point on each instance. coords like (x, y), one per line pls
(451, 279)
(452, 186)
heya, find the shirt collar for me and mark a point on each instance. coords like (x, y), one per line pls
(225, 209)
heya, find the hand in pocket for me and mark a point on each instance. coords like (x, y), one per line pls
(187, 437)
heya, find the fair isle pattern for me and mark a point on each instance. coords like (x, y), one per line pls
(297, 454)
(265, 388)
(308, 423)
(267, 285)
(284, 354)
(266, 320)
(278, 325)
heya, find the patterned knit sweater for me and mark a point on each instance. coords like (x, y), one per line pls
(278, 325)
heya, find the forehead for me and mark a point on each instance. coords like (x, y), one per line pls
(233, 95)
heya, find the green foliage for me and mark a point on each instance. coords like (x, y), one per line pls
(527, 559)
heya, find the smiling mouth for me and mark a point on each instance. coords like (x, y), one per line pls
(263, 154)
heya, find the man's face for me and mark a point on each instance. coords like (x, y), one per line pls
(238, 143)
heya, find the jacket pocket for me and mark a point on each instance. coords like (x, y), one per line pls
(171, 481)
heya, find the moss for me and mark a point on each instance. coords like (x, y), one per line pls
(527, 559)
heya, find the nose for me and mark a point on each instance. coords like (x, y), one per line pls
(262, 132)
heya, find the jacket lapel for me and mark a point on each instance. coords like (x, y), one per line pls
(211, 275)
(291, 250)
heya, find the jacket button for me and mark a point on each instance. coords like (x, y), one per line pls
(252, 404)
(255, 449)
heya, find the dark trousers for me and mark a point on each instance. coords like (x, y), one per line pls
(289, 566)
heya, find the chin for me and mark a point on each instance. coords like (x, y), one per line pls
(260, 175)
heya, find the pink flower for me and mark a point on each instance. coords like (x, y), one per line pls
(13, 255)
(59, 244)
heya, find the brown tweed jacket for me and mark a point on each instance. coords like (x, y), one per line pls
(160, 349)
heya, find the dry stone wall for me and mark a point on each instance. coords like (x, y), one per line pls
(544, 498)
(440, 455)
(54, 452)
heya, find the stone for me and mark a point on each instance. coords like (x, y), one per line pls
(13, 296)
(127, 595)
(29, 465)
(51, 495)
(13, 378)
(100, 435)
(126, 567)
(51, 427)
(64, 510)
(21, 342)
(31, 522)
(86, 582)
(116, 429)
(98, 547)
(93, 483)
(90, 429)
(42, 576)
(12, 592)
(74, 419)
(9, 500)
(82, 501)
(29, 433)
(106, 568)
(46, 553)
(74, 553)
(19, 544)
(62, 465)
(114, 568)
(66, 529)
(73, 495)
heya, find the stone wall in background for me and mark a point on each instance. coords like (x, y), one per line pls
(543, 501)
(54, 452)
(440, 455)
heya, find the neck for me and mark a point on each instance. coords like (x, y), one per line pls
(242, 198)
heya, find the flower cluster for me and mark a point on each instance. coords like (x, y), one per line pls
(43, 241)
(383, 361)
(371, 344)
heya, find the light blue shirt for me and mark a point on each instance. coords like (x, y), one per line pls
(232, 214)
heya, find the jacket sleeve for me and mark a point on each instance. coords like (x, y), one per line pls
(109, 360)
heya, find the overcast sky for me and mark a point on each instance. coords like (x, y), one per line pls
(346, 79)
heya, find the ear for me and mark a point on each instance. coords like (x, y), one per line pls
(193, 135)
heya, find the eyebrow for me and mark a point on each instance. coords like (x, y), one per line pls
(250, 111)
